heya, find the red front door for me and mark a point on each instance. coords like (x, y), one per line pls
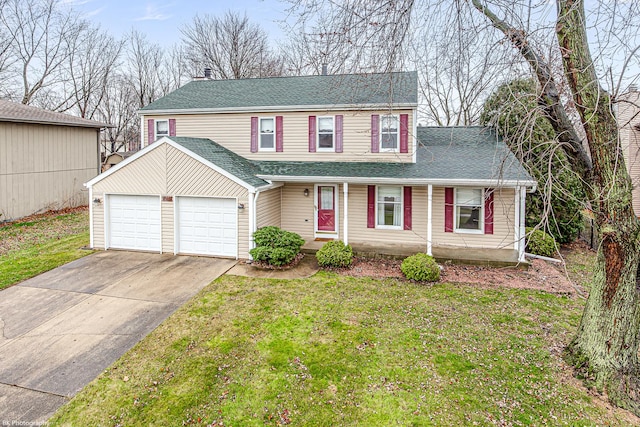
(326, 208)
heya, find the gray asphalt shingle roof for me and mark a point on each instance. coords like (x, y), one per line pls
(444, 153)
(323, 90)
(20, 113)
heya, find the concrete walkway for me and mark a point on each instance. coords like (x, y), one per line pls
(60, 330)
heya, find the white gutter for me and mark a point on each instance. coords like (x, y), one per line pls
(269, 108)
(530, 185)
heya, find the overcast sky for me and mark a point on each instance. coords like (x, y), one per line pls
(161, 20)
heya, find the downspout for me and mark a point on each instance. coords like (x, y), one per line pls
(345, 191)
(523, 198)
(429, 219)
(91, 232)
(253, 217)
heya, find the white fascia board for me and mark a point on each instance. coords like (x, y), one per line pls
(123, 163)
(285, 108)
(167, 140)
(403, 181)
(269, 186)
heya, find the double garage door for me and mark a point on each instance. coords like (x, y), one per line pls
(203, 225)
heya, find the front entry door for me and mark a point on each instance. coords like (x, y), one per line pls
(326, 202)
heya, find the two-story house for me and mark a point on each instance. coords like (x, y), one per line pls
(327, 157)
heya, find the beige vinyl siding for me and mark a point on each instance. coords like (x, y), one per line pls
(188, 176)
(44, 167)
(233, 131)
(628, 117)
(98, 221)
(168, 226)
(504, 223)
(297, 210)
(359, 233)
(269, 209)
(145, 175)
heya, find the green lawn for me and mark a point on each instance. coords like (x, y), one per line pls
(339, 351)
(38, 244)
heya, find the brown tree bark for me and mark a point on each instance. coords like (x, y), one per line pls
(605, 348)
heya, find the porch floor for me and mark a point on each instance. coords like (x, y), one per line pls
(457, 255)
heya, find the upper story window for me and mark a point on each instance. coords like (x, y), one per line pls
(389, 126)
(162, 128)
(389, 207)
(267, 134)
(325, 134)
(468, 209)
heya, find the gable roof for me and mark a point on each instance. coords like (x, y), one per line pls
(20, 113)
(304, 91)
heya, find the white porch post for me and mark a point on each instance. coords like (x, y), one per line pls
(523, 198)
(345, 214)
(429, 217)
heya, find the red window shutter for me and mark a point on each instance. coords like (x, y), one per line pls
(172, 127)
(254, 134)
(404, 133)
(488, 211)
(448, 210)
(371, 206)
(151, 137)
(279, 134)
(339, 120)
(312, 134)
(375, 133)
(407, 208)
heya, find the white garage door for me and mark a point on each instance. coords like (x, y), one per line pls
(134, 222)
(207, 226)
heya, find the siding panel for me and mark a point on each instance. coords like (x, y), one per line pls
(145, 175)
(269, 209)
(167, 212)
(98, 222)
(44, 167)
(233, 131)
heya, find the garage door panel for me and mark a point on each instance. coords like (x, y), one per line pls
(207, 226)
(134, 222)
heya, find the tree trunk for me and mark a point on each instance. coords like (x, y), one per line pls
(605, 349)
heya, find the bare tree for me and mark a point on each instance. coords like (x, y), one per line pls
(119, 107)
(39, 32)
(231, 46)
(93, 60)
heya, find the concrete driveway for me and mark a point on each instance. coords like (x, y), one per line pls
(60, 330)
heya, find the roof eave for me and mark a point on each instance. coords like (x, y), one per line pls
(403, 181)
(283, 108)
(97, 125)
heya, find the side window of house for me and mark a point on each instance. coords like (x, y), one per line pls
(468, 209)
(162, 128)
(325, 134)
(389, 206)
(267, 134)
(389, 126)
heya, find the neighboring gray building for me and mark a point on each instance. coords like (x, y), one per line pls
(45, 158)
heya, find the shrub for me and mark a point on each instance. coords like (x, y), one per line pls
(275, 246)
(335, 254)
(420, 267)
(540, 243)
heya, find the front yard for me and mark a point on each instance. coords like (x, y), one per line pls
(39, 243)
(335, 350)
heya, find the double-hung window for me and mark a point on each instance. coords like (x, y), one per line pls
(325, 134)
(162, 128)
(468, 209)
(389, 126)
(389, 207)
(267, 134)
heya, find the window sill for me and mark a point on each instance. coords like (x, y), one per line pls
(465, 231)
(389, 227)
(389, 150)
(325, 150)
(266, 150)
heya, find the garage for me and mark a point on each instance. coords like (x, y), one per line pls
(134, 222)
(207, 226)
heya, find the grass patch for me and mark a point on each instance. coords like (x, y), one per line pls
(334, 350)
(44, 242)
